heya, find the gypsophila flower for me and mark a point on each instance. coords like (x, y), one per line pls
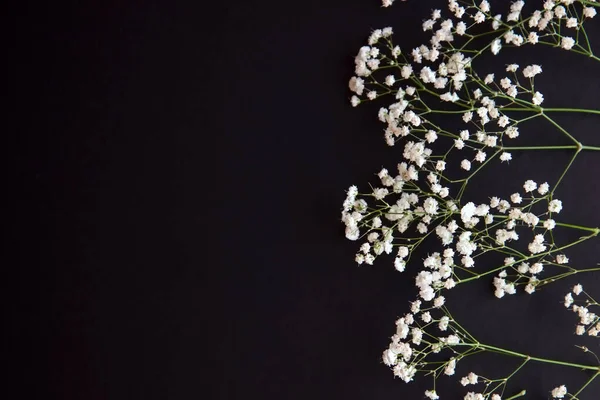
(529, 186)
(568, 300)
(555, 206)
(589, 12)
(549, 224)
(505, 156)
(533, 38)
(577, 289)
(559, 392)
(450, 367)
(544, 188)
(567, 43)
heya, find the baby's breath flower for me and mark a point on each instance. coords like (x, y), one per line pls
(555, 206)
(559, 392)
(567, 43)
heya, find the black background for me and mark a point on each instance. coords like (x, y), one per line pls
(175, 233)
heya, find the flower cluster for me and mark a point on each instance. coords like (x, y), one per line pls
(418, 200)
(441, 72)
(589, 322)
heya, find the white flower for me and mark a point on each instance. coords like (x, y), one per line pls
(465, 164)
(568, 300)
(480, 156)
(532, 70)
(512, 132)
(399, 264)
(467, 212)
(533, 38)
(549, 224)
(567, 43)
(555, 206)
(390, 80)
(449, 369)
(544, 188)
(572, 23)
(479, 17)
(404, 371)
(439, 301)
(537, 98)
(560, 12)
(443, 324)
(357, 85)
(431, 136)
(536, 268)
(537, 245)
(496, 46)
(431, 394)
(403, 251)
(389, 357)
(472, 378)
(512, 67)
(529, 186)
(355, 101)
(415, 306)
(562, 259)
(577, 289)
(512, 91)
(426, 317)
(589, 12)
(559, 392)
(505, 156)
(580, 330)
(430, 205)
(516, 198)
(496, 22)
(530, 288)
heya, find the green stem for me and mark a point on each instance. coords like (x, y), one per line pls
(520, 394)
(586, 384)
(539, 359)
(594, 148)
(565, 171)
(560, 128)
(575, 110)
(569, 147)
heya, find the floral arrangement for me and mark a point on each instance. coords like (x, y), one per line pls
(430, 90)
